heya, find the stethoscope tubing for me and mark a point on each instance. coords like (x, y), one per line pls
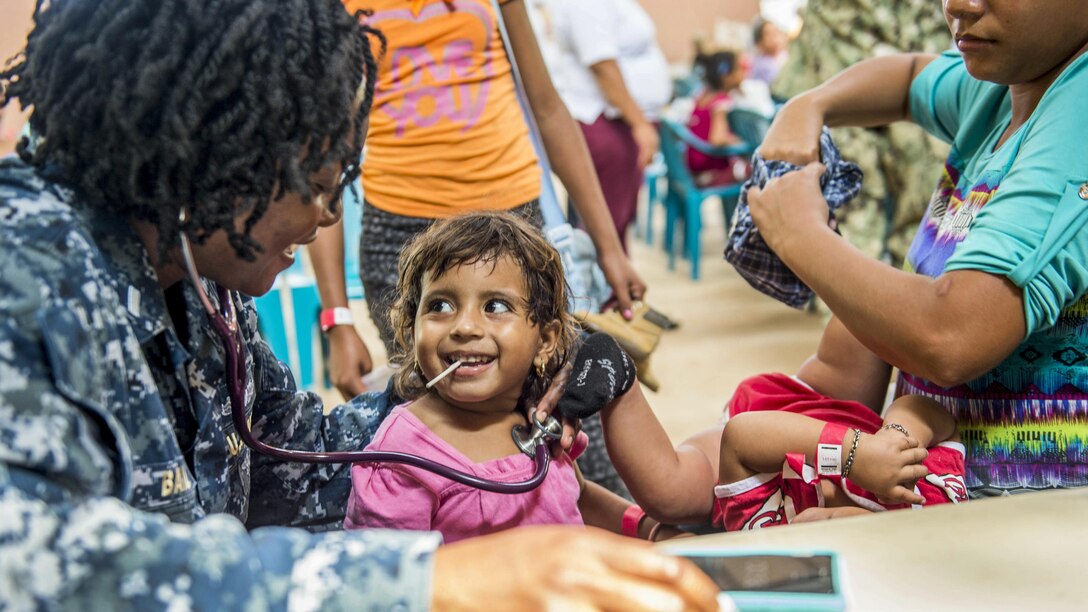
(236, 390)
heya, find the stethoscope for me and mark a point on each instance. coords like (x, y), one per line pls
(535, 442)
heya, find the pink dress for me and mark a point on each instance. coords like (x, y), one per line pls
(708, 170)
(699, 124)
(397, 496)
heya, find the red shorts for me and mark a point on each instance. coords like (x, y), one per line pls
(766, 500)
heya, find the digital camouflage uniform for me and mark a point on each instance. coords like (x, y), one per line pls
(901, 162)
(122, 482)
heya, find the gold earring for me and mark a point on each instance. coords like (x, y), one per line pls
(540, 369)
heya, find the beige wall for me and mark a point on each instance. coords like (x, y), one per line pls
(15, 23)
(680, 21)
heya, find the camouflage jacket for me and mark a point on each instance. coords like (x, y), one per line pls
(122, 481)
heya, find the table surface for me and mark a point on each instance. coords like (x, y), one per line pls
(1024, 552)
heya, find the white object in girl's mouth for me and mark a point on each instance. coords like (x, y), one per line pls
(444, 373)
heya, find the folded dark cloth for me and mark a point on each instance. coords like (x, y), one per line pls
(745, 248)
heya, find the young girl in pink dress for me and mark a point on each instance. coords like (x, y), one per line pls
(722, 75)
(487, 290)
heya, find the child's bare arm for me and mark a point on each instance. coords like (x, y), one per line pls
(845, 369)
(757, 442)
(673, 485)
(924, 419)
(719, 134)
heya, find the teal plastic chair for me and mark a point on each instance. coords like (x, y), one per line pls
(353, 228)
(683, 198)
(651, 177)
(287, 317)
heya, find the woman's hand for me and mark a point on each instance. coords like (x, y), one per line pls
(888, 464)
(626, 284)
(789, 205)
(648, 142)
(349, 360)
(566, 568)
(794, 135)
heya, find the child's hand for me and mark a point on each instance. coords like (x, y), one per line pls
(887, 464)
(547, 404)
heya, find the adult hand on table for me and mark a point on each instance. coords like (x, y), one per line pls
(566, 568)
(349, 360)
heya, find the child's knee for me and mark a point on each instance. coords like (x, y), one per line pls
(730, 467)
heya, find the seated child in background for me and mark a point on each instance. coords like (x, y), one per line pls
(777, 423)
(722, 76)
(486, 289)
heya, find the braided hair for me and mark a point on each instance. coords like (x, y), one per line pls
(220, 107)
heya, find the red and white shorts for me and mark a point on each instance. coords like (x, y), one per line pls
(765, 500)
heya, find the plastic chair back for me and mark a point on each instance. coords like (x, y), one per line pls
(750, 126)
(353, 228)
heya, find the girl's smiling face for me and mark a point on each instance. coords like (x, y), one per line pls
(478, 313)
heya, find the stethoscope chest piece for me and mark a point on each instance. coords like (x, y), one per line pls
(528, 437)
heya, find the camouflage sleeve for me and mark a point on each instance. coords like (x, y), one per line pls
(313, 496)
(100, 554)
(68, 542)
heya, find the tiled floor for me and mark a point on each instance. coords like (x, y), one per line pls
(728, 331)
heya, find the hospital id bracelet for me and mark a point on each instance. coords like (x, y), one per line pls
(632, 517)
(829, 451)
(331, 317)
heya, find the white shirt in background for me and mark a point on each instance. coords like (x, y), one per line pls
(586, 32)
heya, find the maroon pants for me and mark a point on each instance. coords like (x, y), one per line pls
(615, 157)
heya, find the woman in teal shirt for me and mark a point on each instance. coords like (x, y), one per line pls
(989, 318)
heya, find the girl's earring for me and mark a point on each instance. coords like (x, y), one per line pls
(540, 369)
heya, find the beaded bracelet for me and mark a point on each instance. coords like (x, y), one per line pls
(850, 457)
(897, 427)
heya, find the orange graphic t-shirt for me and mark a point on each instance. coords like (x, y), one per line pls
(446, 132)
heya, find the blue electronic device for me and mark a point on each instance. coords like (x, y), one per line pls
(771, 580)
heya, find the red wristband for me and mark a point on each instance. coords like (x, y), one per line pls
(632, 517)
(829, 451)
(331, 317)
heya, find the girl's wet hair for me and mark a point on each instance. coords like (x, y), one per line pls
(715, 67)
(467, 240)
(148, 106)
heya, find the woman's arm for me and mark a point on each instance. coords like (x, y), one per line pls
(349, 358)
(566, 148)
(870, 93)
(610, 80)
(673, 485)
(949, 329)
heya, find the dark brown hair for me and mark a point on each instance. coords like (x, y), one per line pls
(467, 240)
